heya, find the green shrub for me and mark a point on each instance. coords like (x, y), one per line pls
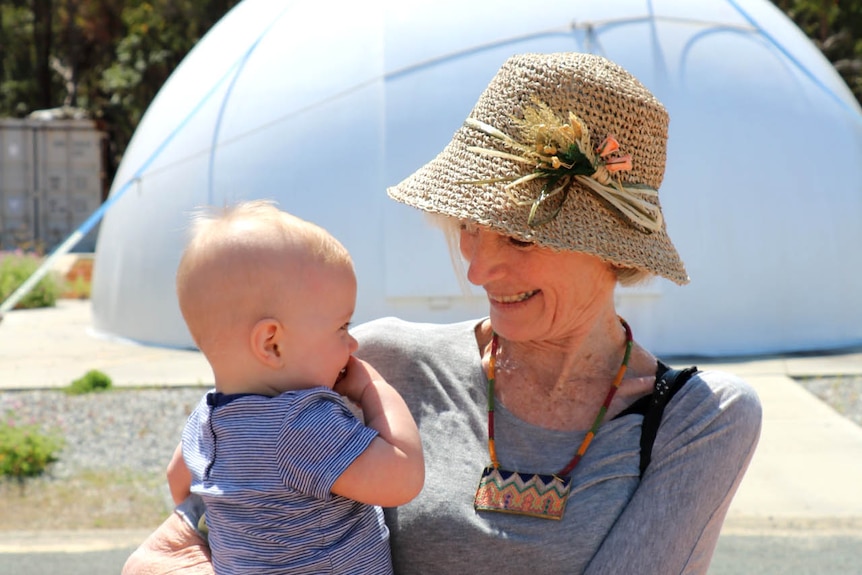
(25, 451)
(15, 268)
(93, 380)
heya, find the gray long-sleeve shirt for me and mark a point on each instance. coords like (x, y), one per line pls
(668, 522)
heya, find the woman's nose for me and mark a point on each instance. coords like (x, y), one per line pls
(483, 253)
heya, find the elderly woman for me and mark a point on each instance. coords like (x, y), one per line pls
(554, 442)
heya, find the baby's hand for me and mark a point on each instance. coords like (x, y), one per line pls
(357, 377)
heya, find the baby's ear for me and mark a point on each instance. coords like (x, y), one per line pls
(267, 342)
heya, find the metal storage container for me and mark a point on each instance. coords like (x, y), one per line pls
(51, 180)
(17, 193)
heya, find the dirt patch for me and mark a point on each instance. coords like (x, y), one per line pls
(89, 500)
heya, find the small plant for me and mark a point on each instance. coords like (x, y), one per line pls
(76, 284)
(92, 381)
(77, 288)
(15, 268)
(25, 451)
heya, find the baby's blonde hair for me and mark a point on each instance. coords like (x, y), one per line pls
(241, 262)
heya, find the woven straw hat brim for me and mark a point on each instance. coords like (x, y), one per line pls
(610, 102)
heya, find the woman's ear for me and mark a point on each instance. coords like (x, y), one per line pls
(268, 341)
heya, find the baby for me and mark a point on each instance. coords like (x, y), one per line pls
(292, 480)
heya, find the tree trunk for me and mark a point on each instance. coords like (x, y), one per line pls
(42, 36)
(824, 20)
(3, 51)
(74, 42)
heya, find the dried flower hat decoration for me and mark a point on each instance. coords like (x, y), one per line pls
(547, 179)
(560, 151)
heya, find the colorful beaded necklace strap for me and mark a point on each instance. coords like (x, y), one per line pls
(600, 416)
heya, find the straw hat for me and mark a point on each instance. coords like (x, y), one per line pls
(534, 161)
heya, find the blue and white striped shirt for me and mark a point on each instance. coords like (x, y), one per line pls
(265, 467)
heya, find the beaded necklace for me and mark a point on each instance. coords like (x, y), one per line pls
(536, 495)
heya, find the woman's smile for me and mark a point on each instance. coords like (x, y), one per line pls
(515, 298)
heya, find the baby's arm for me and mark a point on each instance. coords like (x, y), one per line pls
(391, 470)
(179, 476)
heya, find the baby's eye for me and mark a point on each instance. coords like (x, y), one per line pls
(346, 326)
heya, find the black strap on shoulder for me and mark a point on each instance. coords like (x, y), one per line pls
(667, 382)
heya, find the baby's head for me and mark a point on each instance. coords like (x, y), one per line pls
(267, 298)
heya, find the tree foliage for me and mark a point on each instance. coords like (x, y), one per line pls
(110, 57)
(835, 26)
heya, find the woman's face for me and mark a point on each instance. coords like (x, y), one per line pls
(534, 292)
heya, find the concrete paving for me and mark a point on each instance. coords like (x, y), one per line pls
(798, 510)
(50, 347)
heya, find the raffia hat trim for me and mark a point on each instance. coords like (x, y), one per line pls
(528, 163)
(559, 151)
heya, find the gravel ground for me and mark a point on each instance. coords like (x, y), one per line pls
(118, 444)
(122, 429)
(139, 429)
(843, 394)
(111, 471)
(134, 430)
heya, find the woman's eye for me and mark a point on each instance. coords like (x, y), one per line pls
(469, 228)
(520, 243)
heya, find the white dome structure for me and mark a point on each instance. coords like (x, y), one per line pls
(321, 109)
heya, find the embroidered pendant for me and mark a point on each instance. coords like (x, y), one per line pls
(542, 496)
